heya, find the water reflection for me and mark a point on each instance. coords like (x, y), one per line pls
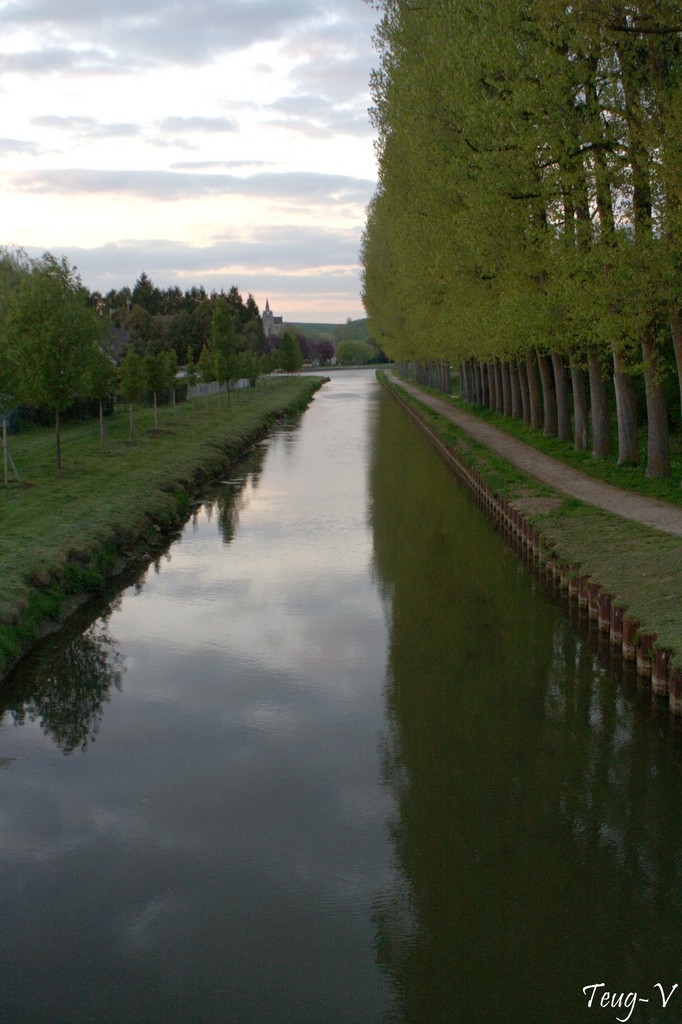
(310, 803)
(212, 856)
(232, 498)
(65, 686)
(537, 825)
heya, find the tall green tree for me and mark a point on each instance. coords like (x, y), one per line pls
(290, 357)
(191, 373)
(224, 327)
(14, 264)
(131, 382)
(155, 377)
(147, 295)
(205, 367)
(528, 212)
(99, 381)
(171, 371)
(49, 330)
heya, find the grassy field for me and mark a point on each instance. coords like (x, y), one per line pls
(639, 566)
(62, 533)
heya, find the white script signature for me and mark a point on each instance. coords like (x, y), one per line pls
(598, 996)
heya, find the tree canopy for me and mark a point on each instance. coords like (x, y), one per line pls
(528, 212)
(48, 334)
(291, 359)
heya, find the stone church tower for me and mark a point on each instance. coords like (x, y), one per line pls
(272, 325)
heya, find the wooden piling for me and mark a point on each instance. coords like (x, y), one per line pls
(594, 592)
(675, 691)
(659, 672)
(604, 613)
(616, 631)
(630, 628)
(644, 651)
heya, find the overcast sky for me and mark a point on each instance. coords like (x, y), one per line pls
(214, 142)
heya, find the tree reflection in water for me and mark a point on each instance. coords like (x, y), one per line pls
(65, 684)
(230, 499)
(70, 685)
(537, 820)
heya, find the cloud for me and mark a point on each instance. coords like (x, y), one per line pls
(157, 32)
(288, 249)
(205, 165)
(198, 124)
(345, 80)
(302, 268)
(313, 116)
(260, 107)
(87, 127)
(305, 186)
(61, 60)
(112, 36)
(20, 146)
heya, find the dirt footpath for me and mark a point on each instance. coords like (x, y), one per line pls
(648, 511)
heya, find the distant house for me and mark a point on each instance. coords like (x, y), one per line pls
(272, 325)
(116, 343)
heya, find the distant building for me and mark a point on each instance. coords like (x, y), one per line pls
(272, 325)
(115, 343)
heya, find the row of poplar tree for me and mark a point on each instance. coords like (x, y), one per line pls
(527, 225)
(53, 351)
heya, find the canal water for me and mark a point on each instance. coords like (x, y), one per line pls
(334, 758)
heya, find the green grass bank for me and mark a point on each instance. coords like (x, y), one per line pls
(64, 533)
(639, 566)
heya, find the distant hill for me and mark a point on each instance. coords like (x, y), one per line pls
(352, 330)
(314, 330)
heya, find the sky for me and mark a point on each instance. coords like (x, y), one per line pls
(204, 142)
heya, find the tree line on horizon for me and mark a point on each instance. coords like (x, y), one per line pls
(66, 351)
(527, 224)
(56, 351)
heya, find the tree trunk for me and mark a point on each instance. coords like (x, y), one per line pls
(549, 409)
(58, 438)
(131, 419)
(676, 330)
(492, 387)
(480, 384)
(523, 386)
(464, 382)
(485, 387)
(515, 385)
(506, 388)
(101, 425)
(658, 444)
(601, 428)
(499, 393)
(477, 387)
(580, 407)
(5, 451)
(635, 77)
(626, 412)
(564, 428)
(534, 395)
